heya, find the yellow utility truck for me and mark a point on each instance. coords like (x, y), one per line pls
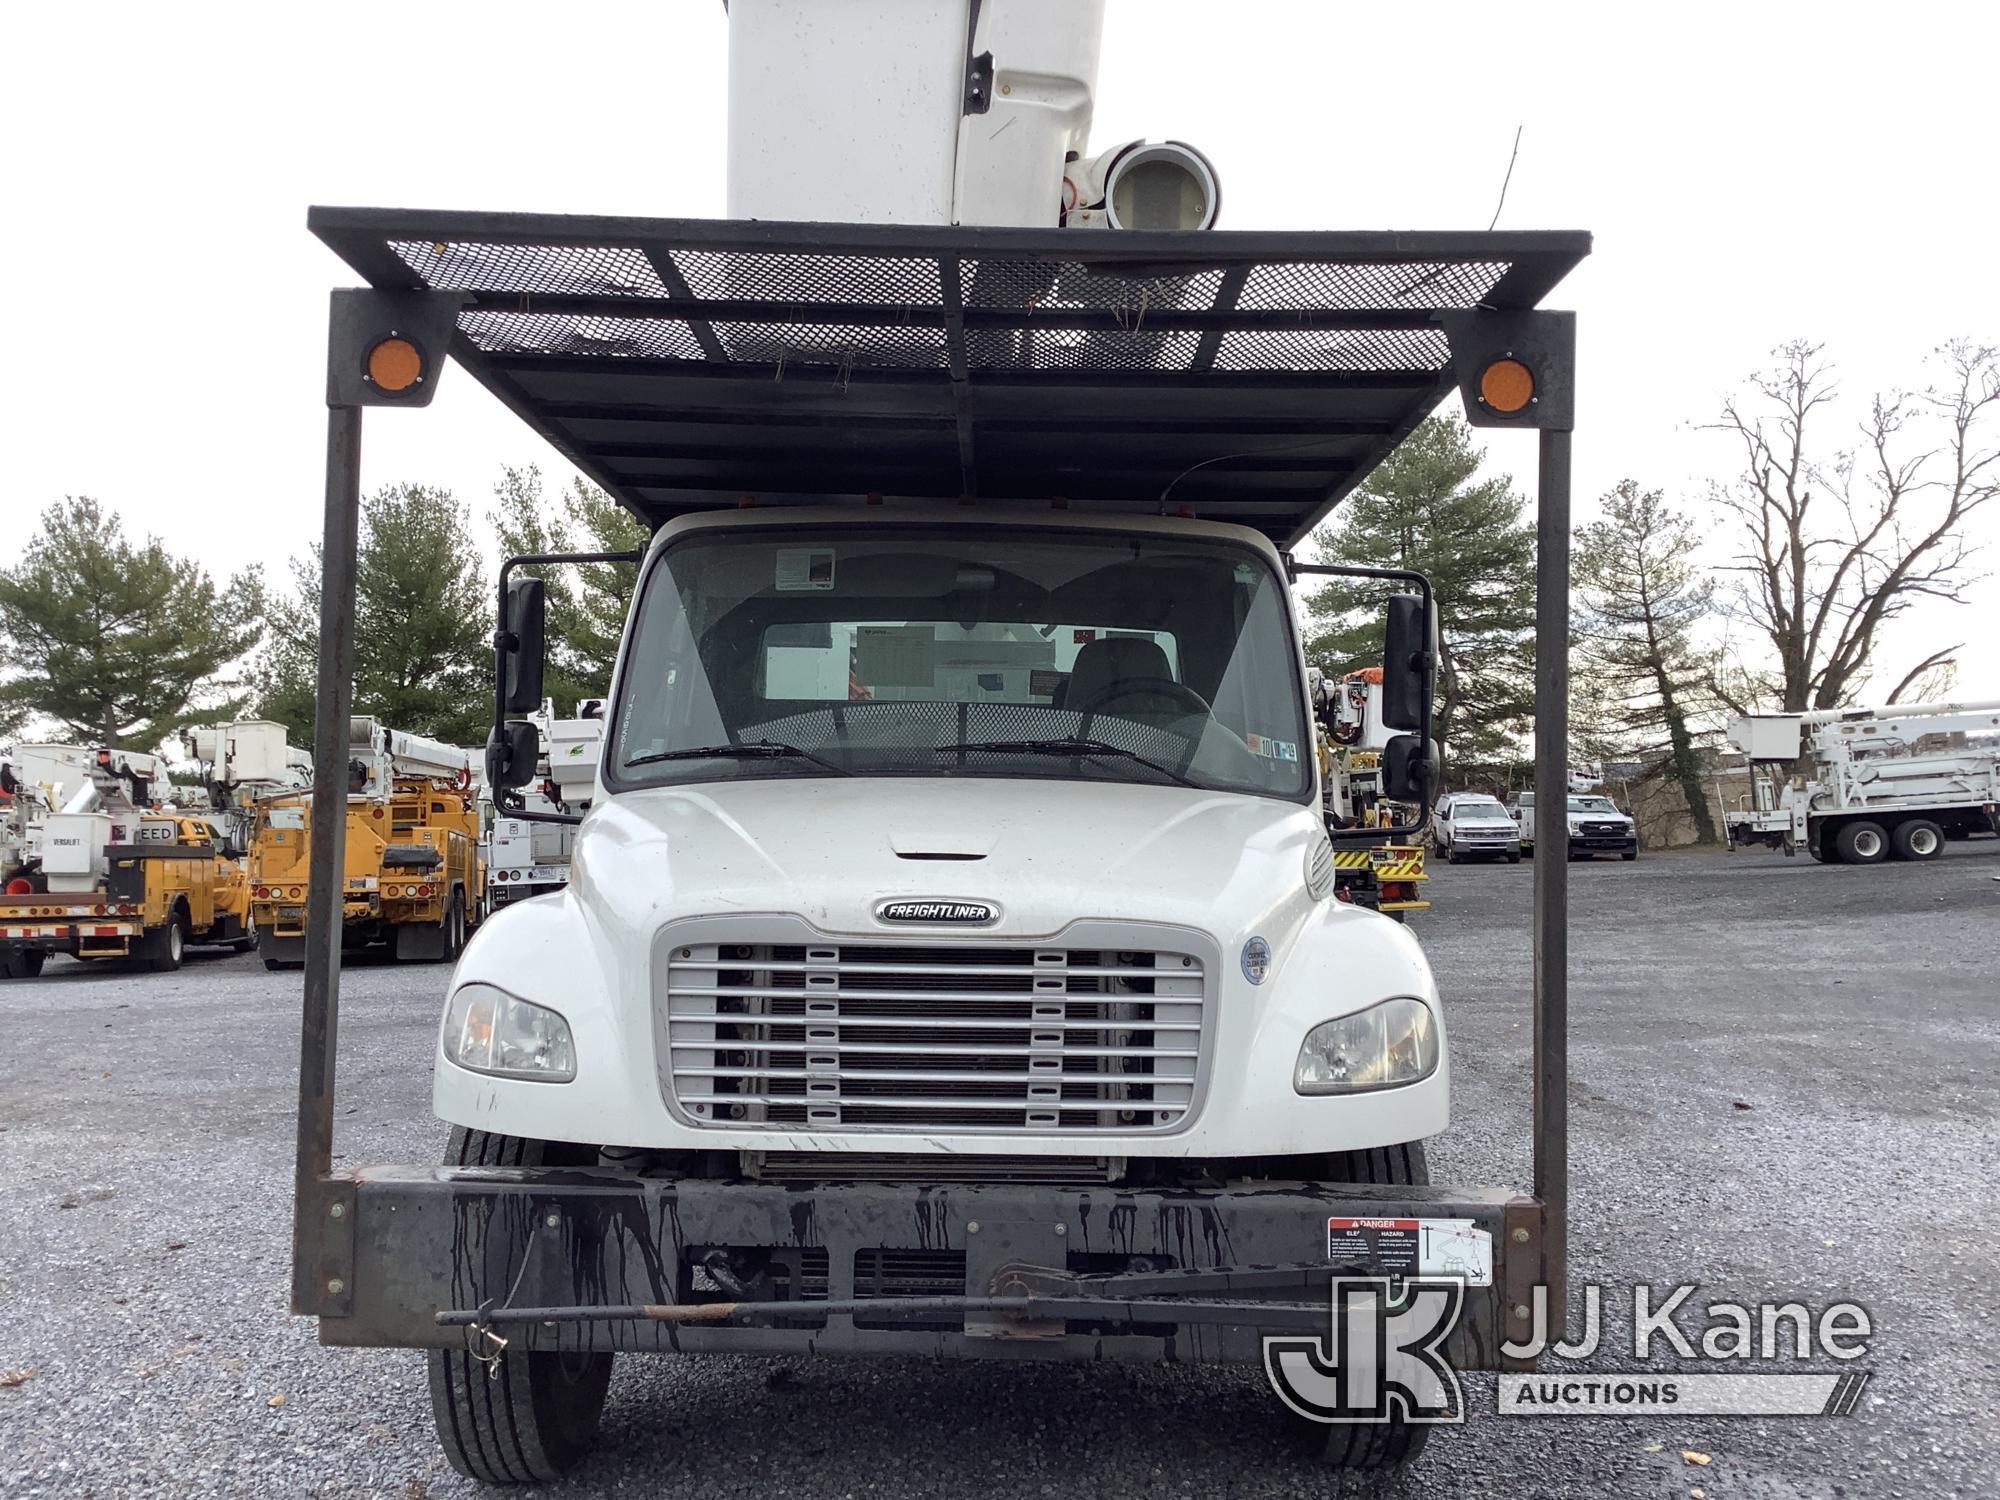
(120, 877)
(1373, 866)
(414, 880)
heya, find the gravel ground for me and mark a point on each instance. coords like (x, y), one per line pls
(146, 1122)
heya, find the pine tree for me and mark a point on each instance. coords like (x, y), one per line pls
(422, 624)
(586, 602)
(1639, 594)
(1425, 509)
(120, 643)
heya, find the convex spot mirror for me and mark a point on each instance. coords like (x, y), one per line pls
(1409, 663)
(1410, 769)
(512, 752)
(521, 647)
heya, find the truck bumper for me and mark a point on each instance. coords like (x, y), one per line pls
(383, 1252)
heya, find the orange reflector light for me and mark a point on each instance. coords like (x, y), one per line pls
(1507, 386)
(395, 365)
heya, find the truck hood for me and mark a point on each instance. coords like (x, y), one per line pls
(1499, 821)
(1045, 852)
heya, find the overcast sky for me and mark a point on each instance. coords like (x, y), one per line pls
(1752, 172)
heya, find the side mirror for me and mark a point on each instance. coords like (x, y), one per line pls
(1411, 770)
(511, 754)
(522, 650)
(1409, 663)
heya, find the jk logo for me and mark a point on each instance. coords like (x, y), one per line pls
(1381, 1357)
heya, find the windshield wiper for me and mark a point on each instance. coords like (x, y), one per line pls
(744, 750)
(1070, 746)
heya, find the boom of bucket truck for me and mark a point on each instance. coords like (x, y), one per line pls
(122, 876)
(413, 879)
(1865, 785)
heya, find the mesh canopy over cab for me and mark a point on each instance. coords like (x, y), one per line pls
(687, 364)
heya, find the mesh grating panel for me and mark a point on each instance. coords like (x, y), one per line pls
(1288, 285)
(563, 333)
(1379, 349)
(1079, 349)
(457, 266)
(833, 344)
(1034, 283)
(739, 275)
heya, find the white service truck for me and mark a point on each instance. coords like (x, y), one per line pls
(950, 963)
(1859, 786)
(530, 856)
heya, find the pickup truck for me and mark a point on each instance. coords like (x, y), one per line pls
(1475, 826)
(1596, 826)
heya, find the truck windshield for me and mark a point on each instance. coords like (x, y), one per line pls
(962, 651)
(1593, 805)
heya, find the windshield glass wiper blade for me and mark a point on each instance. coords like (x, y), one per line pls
(743, 750)
(1069, 746)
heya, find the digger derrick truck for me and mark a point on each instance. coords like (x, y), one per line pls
(120, 876)
(412, 878)
(1372, 867)
(950, 962)
(1877, 784)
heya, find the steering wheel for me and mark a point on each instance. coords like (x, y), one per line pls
(1165, 689)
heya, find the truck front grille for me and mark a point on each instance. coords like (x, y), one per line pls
(958, 1037)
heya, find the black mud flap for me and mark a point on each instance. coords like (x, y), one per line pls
(420, 943)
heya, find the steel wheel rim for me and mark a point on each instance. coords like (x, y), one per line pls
(1923, 842)
(1867, 843)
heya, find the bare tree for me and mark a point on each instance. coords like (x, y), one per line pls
(1838, 542)
(1930, 679)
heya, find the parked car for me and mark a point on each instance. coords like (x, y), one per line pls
(1596, 826)
(1472, 825)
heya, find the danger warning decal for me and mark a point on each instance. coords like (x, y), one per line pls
(1413, 1247)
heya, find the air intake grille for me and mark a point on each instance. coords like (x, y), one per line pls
(960, 1037)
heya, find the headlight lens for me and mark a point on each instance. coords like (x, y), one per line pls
(491, 1031)
(1382, 1047)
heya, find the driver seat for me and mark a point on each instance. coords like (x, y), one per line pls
(1103, 663)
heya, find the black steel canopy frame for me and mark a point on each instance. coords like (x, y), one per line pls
(685, 364)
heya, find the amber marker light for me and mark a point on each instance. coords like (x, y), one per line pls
(395, 365)
(1507, 386)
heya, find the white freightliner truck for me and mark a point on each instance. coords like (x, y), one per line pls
(1879, 784)
(949, 964)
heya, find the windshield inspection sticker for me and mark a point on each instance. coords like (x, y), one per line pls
(1413, 1247)
(1270, 749)
(805, 568)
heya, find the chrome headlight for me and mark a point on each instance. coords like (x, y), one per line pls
(1382, 1047)
(490, 1031)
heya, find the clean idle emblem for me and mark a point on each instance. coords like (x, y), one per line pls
(937, 911)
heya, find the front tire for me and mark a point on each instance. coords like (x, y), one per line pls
(535, 1417)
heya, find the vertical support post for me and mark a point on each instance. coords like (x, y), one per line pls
(325, 892)
(1552, 862)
